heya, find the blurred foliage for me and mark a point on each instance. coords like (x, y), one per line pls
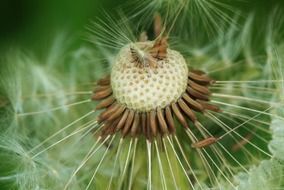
(32, 23)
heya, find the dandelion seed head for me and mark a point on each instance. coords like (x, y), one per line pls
(144, 88)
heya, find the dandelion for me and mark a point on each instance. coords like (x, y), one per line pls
(165, 115)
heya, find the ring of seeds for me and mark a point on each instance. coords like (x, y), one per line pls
(150, 86)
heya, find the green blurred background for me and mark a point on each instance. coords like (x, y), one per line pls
(31, 23)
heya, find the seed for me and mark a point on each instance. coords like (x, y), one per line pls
(206, 142)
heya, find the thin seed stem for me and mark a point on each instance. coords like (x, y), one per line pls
(169, 163)
(223, 159)
(188, 179)
(99, 165)
(247, 117)
(115, 162)
(250, 81)
(245, 98)
(53, 109)
(218, 168)
(132, 164)
(248, 109)
(160, 167)
(248, 129)
(242, 87)
(206, 164)
(66, 137)
(125, 165)
(58, 94)
(235, 128)
(227, 128)
(252, 144)
(64, 128)
(86, 158)
(186, 160)
(149, 185)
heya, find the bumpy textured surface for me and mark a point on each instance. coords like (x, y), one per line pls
(144, 89)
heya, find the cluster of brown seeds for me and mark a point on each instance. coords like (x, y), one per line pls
(160, 121)
(151, 116)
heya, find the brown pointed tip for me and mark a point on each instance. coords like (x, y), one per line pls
(153, 123)
(117, 113)
(200, 78)
(102, 94)
(208, 106)
(170, 120)
(144, 124)
(196, 94)
(199, 72)
(108, 112)
(192, 103)
(162, 121)
(135, 126)
(128, 123)
(105, 103)
(200, 88)
(148, 127)
(122, 121)
(184, 107)
(179, 115)
(100, 88)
